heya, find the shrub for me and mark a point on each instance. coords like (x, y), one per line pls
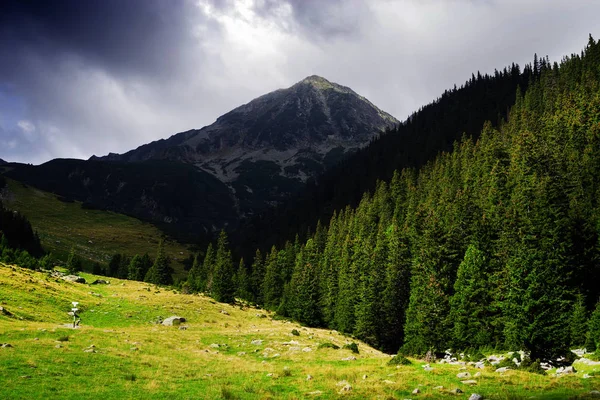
(532, 366)
(507, 362)
(399, 360)
(295, 332)
(353, 347)
(328, 346)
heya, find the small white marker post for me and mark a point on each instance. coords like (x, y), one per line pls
(76, 319)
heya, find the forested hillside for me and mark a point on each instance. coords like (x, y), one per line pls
(492, 244)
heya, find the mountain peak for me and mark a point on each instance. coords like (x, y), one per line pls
(319, 82)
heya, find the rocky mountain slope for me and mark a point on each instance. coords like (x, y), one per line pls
(265, 149)
(253, 157)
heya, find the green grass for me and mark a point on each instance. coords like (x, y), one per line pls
(96, 235)
(135, 358)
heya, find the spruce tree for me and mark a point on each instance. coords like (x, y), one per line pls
(579, 323)
(160, 272)
(242, 282)
(593, 334)
(73, 262)
(135, 269)
(223, 289)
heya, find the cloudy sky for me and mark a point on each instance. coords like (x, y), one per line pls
(83, 77)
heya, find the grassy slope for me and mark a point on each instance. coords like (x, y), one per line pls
(138, 359)
(96, 235)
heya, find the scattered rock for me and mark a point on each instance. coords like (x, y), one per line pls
(257, 342)
(594, 393)
(224, 312)
(456, 391)
(6, 345)
(463, 375)
(315, 393)
(173, 320)
(351, 358)
(133, 348)
(73, 278)
(295, 348)
(430, 356)
(427, 367)
(438, 388)
(476, 396)
(365, 376)
(241, 353)
(342, 383)
(477, 375)
(565, 370)
(270, 374)
(586, 376)
(100, 282)
(58, 346)
(388, 382)
(469, 382)
(307, 349)
(89, 350)
(345, 389)
(309, 377)
(502, 370)
(183, 328)
(25, 376)
(416, 391)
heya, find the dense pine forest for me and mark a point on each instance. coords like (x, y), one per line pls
(492, 244)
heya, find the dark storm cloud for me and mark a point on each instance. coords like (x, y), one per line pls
(122, 36)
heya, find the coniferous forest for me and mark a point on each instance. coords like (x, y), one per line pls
(492, 244)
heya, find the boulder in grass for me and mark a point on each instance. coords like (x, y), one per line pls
(73, 278)
(173, 320)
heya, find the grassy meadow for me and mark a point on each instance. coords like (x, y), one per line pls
(96, 235)
(119, 351)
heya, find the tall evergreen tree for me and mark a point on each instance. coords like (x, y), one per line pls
(223, 289)
(160, 272)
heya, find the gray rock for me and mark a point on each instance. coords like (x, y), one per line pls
(173, 320)
(224, 312)
(74, 278)
(476, 396)
(256, 342)
(315, 393)
(463, 375)
(594, 393)
(309, 377)
(502, 370)
(477, 375)
(416, 391)
(347, 388)
(6, 345)
(100, 282)
(388, 382)
(456, 391)
(215, 345)
(586, 376)
(351, 358)
(307, 349)
(565, 370)
(469, 382)
(438, 388)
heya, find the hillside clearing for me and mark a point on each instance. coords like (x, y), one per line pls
(221, 351)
